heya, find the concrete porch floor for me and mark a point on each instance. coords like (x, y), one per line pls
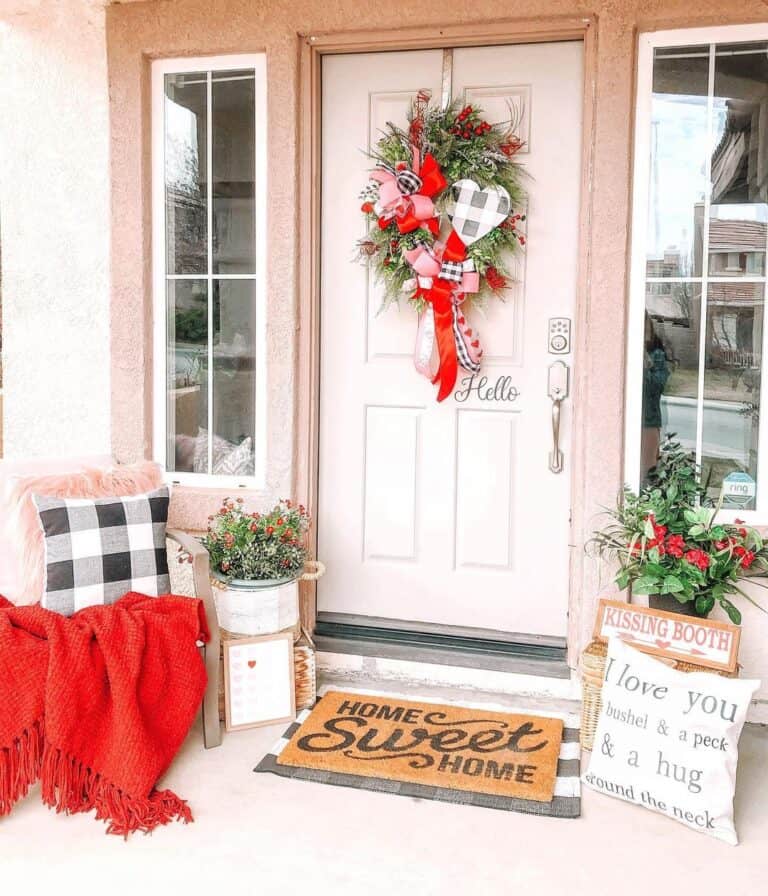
(268, 835)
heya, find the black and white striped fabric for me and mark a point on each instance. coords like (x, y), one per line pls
(97, 550)
(566, 802)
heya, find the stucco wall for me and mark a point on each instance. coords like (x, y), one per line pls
(54, 210)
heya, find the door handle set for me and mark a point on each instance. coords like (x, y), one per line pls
(557, 389)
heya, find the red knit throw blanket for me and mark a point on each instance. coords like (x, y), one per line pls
(96, 706)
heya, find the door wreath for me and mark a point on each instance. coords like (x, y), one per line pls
(440, 207)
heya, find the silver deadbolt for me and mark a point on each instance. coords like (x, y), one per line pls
(557, 389)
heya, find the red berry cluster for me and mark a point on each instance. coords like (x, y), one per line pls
(468, 125)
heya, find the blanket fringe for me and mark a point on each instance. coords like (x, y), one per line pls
(70, 786)
(20, 765)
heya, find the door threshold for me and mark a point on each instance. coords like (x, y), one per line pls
(481, 649)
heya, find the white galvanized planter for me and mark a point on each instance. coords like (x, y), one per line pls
(263, 607)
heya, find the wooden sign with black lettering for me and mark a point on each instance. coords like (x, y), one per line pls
(705, 642)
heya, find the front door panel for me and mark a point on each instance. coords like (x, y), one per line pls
(448, 513)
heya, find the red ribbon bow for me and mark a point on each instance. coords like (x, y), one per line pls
(413, 210)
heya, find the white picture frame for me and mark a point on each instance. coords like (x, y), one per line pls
(259, 681)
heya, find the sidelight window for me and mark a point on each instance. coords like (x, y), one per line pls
(700, 235)
(209, 124)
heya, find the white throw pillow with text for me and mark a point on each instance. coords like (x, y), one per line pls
(668, 740)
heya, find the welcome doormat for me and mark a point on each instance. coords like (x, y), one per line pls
(459, 754)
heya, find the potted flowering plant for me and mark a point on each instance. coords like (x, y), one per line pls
(669, 544)
(256, 561)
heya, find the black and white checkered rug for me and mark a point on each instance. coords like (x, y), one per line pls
(566, 802)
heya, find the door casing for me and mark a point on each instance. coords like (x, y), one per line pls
(312, 49)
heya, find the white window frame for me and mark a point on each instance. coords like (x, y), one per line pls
(210, 64)
(647, 43)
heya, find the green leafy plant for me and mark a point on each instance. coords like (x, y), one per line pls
(256, 546)
(667, 541)
(465, 146)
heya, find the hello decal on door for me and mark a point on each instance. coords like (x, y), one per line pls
(444, 262)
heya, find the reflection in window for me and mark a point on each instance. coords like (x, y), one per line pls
(706, 262)
(210, 233)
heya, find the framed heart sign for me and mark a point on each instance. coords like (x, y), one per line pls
(258, 681)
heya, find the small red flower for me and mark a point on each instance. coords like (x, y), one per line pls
(747, 560)
(522, 240)
(697, 558)
(280, 521)
(721, 545)
(494, 279)
(676, 546)
(254, 527)
(269, 530)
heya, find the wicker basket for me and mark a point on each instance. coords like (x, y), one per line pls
(592, 675)
(304, 670)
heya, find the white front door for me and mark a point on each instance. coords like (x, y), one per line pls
(447, 513)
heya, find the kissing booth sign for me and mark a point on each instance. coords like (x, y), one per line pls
(440, 213)
(705, 642)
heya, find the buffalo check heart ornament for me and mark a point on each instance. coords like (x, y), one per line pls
(476, 210)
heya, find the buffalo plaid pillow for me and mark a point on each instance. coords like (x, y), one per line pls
(96, 550)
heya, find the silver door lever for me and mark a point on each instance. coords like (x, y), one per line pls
(557, 389)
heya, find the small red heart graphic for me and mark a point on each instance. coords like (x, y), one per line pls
(476, 343)
(468, 332)
(662, 644)
(461, 320)
(251, 664)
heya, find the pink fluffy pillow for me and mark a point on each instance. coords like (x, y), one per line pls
(22, 524)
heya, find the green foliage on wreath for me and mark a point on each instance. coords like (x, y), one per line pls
(465, 147)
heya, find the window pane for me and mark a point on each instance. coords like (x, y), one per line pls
(739, 214)
(670, 367)
(732, 389)
(737, 239)
(234, 372)
(187, 449)
(678, 149)
(185, 173)
(233, 173)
